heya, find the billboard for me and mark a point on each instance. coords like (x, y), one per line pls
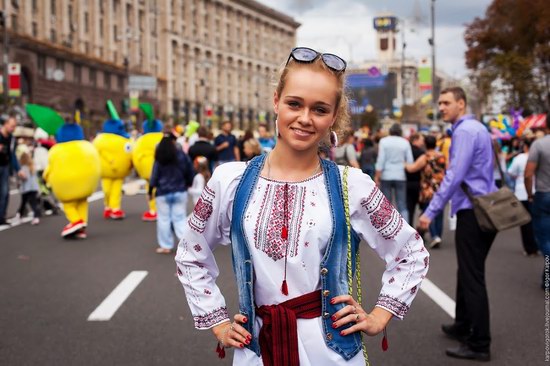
(385, 24)
(372, 88)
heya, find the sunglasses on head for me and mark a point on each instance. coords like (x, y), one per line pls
(308, 55)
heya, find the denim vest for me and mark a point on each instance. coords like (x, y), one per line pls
(333, 267)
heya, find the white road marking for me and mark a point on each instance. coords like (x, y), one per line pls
(439, 297)
(116, 298)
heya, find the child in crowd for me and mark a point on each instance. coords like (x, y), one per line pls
(201, 165)
(29, 188)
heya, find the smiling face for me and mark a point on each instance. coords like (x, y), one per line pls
(306, 107)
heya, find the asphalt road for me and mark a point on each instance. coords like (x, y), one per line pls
(49, 287)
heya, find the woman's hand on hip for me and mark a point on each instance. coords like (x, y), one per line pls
(233, 334)
(371, 323)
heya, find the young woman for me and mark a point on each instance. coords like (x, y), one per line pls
(172, 174)
(283, 214)
(431, 165)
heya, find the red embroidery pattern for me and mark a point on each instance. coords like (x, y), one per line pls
(202, 211)
(209, 319)
(267, 234)
(197, 247)
(399, 308)
(383, 216)
(207, 291)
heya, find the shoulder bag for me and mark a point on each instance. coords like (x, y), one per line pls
(499, 210)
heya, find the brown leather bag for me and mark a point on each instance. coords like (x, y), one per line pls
(499, 210)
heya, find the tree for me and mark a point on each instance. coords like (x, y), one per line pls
(511, 44)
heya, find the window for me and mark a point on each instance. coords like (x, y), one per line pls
(101, 27)
(77, 73)
(86, 22)
(53, 35)
(34, 5)
(34, 29)
(93, 77)
(52, 7)
(383, 44)
(107, 80)
(14, 24)
(120, 82)
(41, 64)
(59, 64)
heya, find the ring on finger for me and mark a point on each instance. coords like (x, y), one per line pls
(355, 310)
(356, 318)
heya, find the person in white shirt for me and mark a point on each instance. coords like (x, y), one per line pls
(201, 165)
(517, 172)
(394, 152)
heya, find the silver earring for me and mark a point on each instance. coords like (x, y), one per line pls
(277, 128)
(333, 138)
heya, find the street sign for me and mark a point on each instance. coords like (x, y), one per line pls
(134, 101)
(14, 80)
(142, 82)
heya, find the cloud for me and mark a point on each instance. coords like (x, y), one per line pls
(345, 27)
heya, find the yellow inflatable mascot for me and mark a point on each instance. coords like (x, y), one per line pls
(115, 152)
(73, 167)
(143, 155)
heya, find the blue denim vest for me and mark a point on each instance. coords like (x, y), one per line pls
(333, 267)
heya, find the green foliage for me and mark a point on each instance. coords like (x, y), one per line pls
(511, 44)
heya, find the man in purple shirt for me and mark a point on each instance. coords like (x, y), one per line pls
(471, 162)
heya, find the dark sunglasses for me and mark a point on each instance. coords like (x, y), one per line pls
(308, 55)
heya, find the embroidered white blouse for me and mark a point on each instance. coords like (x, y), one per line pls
(309, 229)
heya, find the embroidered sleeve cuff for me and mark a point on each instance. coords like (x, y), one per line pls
(208, 320)
(393, 305)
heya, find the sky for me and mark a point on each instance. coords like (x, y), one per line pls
(344, 27)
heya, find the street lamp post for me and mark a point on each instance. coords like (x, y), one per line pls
(432, 43)
(403, 47)
(4, 26)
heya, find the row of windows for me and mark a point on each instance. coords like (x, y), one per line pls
(77, 73)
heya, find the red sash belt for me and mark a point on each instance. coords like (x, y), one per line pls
(279, 333)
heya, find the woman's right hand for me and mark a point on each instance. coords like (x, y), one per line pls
(233, 334)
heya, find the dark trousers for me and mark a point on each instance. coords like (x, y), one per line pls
(527, 235)
(32, 199)
(472, 303)
(413, 191)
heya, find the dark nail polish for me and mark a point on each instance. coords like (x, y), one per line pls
(245, 320)
(334, 325)
(247, 341)
(248, 337)
(342, 333)
(333, 318)
(241, 345)
(332, 301)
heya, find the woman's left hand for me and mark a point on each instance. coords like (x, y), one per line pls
(371, 323)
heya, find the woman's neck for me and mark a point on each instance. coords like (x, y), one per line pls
(287, 164)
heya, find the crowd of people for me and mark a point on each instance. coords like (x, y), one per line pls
(202, 185)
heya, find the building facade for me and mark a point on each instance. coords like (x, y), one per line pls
(212, 59)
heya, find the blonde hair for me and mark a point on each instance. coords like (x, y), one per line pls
(25, 159)
(342, 116)
(254, 146)
(202, 167)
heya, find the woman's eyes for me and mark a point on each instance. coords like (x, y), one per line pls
(318, 110)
